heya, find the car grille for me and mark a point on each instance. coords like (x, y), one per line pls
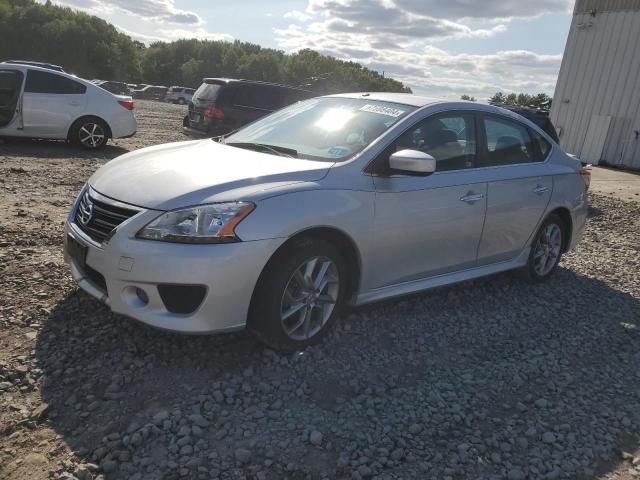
(98, 219)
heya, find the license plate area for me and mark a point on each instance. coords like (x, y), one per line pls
(77, 251)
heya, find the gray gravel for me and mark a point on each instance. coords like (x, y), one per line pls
(493, 379)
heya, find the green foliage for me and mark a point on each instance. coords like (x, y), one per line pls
(468, 98)
(92, 48)
(541, 100)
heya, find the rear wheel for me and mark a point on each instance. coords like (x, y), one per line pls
(546, 250)
(90, 133)
(181, 101)
(299, 295)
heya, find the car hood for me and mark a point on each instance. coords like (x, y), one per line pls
(182, 174)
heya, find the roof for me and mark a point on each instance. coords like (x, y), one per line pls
(403, 98)
(259, 82)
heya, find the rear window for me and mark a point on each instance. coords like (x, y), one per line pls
(44, 82)
(208, 91)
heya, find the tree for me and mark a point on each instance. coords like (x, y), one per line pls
(92, 48)
(541, 100)
(468, 98)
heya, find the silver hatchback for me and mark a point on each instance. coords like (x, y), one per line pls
(344, 199)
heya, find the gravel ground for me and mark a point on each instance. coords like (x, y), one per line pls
(492, 379)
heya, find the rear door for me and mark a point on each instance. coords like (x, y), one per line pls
(10, 89)
(50, 104)
(519, 186)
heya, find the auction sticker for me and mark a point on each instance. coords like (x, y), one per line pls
(391, 112)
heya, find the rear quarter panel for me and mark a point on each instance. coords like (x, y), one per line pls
(569, 192)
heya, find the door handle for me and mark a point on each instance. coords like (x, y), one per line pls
(75, 104)
(540, 189)
(472, 198)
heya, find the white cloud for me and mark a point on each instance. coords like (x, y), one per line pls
(298, 15)
(399, 38)
(176, 23)
(175, 34)
(487, 9)
(157, 10)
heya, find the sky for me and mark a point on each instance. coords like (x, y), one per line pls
(442, 48)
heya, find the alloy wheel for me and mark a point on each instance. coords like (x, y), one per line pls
(91, 135)
(547, 250)
(309, 298)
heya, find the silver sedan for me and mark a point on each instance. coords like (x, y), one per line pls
(344, 199)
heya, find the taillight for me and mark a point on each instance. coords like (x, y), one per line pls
(585, 173)
(213, 112)
(128, 104)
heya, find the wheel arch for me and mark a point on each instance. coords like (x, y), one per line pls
(88, 117)
(565, 215)
(342, 240)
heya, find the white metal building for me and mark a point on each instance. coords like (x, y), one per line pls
(596, 105)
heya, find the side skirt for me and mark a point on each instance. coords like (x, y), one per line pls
(414, 286)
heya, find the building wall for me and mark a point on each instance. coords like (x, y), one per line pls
(600, 75)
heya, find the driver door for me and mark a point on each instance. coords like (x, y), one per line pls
(429, 225)
(10, 90)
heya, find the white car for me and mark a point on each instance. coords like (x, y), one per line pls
(40, 103)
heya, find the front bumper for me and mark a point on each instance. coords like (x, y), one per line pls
(229, 273)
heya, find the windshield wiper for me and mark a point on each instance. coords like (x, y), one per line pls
(275, 149)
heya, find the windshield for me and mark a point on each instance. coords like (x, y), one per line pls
(327, 128)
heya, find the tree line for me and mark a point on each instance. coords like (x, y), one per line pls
(93, 48)
(540, 101)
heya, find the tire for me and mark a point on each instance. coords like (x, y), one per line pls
(546, 250)
(90, 133)
(287, 312)
(181, 101)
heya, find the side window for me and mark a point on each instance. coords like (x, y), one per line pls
(449, 138)
(44, 82)
(508, 143)
(544, 147)
(257, 96)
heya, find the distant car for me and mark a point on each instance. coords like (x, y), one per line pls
(150, 92)
(119, 88)
(539, 117)
(222, 105)
(180, 95)
(39, 103)
(31, 63)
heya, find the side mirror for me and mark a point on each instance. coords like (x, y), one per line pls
(412, 162)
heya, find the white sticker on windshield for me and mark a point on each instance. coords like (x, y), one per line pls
(392, 112)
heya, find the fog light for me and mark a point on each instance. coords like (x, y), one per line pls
(142, 296)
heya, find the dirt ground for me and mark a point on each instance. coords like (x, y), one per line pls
(493, 379)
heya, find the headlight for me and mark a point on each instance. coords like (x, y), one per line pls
(213, 223)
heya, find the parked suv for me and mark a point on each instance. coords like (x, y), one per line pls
(180, 95)
(222, 105)
(150, 92)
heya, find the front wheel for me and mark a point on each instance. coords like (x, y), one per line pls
(299, 295)
(546, 250)
(90, 133)
(181, 101)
